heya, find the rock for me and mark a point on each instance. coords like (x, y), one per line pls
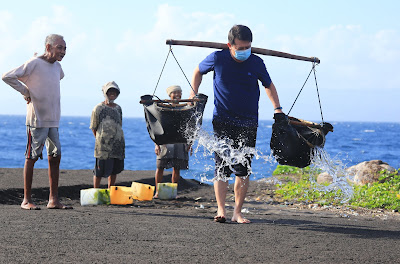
(324, 178)
(368, 171)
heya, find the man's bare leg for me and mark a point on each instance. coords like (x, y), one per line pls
(220, 189)
(176, 175)
(27, 203)
(111, 180)
(158, 179)
(54, 174)
(241, 186)
(96, 181)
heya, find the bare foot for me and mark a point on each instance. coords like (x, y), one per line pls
(155, 196)
(57, 205)
(240, 219)
(29, 206)
(220, 217)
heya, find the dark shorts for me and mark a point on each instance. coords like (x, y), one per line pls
(179, 164)
(241, 137)
(105, 168)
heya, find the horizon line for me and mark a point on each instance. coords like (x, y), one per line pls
(133, 117)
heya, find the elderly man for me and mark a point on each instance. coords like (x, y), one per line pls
(38, 80)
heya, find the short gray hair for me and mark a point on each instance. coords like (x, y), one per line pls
(51, 39)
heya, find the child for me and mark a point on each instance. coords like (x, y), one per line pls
(171, 155)
(106, 124)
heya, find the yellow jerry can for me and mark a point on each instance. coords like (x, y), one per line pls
(121, 195)
(142, 192)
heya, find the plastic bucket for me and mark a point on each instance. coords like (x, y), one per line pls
(95, 196)
(167, 191)
(121, 195)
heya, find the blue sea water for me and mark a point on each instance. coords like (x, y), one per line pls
(351, 143)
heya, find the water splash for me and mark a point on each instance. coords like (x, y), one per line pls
(208, 144)
(341, 178)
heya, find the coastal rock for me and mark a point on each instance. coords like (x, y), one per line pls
(324, 178)
(368, 171)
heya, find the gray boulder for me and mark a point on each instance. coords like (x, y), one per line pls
(368, 171)
(324, 178)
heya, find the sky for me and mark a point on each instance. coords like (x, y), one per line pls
(358, 43)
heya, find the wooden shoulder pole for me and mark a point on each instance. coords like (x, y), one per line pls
(215, 45)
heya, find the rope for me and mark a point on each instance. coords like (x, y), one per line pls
(301, 90)
(170, 51)
(319, 100)
(162, 70)
(182, 71)
(316, 84)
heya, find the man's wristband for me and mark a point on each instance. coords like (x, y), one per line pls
(278, 108)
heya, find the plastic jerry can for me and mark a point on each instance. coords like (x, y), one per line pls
(142, 192)
(121, 195)
(95, 196)
(167, 191)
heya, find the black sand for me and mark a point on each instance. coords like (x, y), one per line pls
(182, 230)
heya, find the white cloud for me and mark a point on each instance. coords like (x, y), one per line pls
(174, 22)
(7, 46)
(385, 46)
(77, 41)
(143, 55)
(5, 18)
(62, 16)
(25, 41)
(352, 58)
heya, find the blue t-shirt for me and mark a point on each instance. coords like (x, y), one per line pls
(236, 90)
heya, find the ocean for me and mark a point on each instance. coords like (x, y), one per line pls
(350, 143)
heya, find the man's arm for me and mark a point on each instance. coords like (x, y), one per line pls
(11, 78)
(196, 81)
(273, 97)
(157, 149)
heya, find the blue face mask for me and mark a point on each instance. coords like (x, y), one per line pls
(242, 55)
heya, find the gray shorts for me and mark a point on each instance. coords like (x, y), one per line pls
(37, 137)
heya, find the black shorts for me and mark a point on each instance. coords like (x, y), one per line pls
(105, 168)
(179, 164)
(241, 137)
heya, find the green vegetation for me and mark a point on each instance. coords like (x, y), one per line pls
(382, 194)
(302, 186)
(284, 170)
(299, 185)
